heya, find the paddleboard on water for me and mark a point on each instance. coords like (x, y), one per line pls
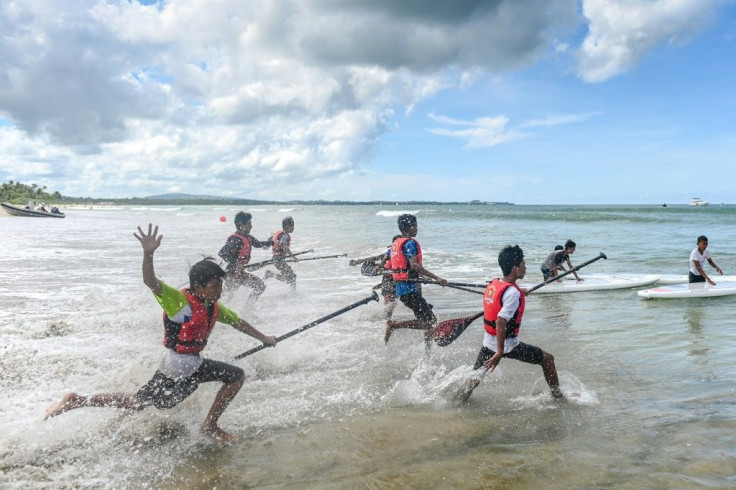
(596, 282)
(683, 279)
(697, 290)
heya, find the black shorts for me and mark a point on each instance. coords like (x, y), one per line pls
(693, 278)
(163, 392)
(546, 273)
(422, 310)
(523, 352)
(286, 271)
(388, 287)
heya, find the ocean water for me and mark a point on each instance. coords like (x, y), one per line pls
(650, 384)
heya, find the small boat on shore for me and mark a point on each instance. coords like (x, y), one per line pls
(696, 201)
(34, 213)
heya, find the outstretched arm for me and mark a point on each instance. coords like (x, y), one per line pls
(367, 259)
(150, 242)
(713, 264)
(248, 329)
(574, 273)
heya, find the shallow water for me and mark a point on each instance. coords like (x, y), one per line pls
(650, 383)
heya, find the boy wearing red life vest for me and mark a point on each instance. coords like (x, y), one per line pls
(503, 308)
(237, 251)
(281, 247)
(406, 265)
(189, 317)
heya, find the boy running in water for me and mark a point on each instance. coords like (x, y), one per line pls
(281, 243)
(236, 252)
(503, 308)
(406, 265)
(189, 317)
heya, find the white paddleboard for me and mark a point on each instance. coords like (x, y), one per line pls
(696, 290)
(595, 282)
(683, 279)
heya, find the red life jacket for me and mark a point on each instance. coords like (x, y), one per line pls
(244, 254)
(492, 304)
(278, 251)
(399, 263)
(191, 336)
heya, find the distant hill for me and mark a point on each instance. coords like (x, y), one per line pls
(187, 197)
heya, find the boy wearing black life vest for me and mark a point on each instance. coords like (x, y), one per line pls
(375, 265)
(281, 247)
(237, 251)
(189, 317)
(406, 266)
(503, 308)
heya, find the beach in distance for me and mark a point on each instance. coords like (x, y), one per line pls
(649, 383)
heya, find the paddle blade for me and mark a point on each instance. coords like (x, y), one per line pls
(370, 268)
(446, 332)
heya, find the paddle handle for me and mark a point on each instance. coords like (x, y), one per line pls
(372, 297)
(574, 269)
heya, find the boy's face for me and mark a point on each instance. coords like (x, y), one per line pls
(245, 227)
(520, 270)
(413, 230)
(289, 228)
(702, 245)
(210, 292)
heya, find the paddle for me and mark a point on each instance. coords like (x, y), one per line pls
(258, 265)
(372, 297)
(318, 258)
(450, 285)
(445, 333)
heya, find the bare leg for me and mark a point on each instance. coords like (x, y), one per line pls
(550, 374)
(256, 284)
(472, 384)
(222, 400)
(392, 325)
(72, 400)
(388, 307)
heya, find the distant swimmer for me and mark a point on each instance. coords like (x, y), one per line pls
(237, 251)
(553, 263)
(503, 309)
(698, 257)
(281, 247)
(381, 265)
(190, 315)
(406, 265)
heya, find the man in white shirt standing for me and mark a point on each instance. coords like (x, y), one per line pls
(698, 257)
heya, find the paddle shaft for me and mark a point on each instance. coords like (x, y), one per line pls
(372, 297)
(574, 269)
(271, 261)
(318, 258)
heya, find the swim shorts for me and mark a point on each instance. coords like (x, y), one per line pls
(422, 310)
(523, 352)
(163, 392)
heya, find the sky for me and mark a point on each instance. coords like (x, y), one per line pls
(524, 101)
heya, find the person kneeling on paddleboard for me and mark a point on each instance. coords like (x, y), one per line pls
(503, 309)
(189, 317)
(698, 257)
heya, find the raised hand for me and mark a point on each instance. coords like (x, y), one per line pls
(149, 241)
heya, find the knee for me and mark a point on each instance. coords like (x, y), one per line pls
(548, 359)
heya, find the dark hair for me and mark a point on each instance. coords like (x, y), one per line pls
(406, 221)
(570, 244)
(510, 257)
(242, 218)
(204, 271)
(287, 221)
(559, 247)
(702, 238)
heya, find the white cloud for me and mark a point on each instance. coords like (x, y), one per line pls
(622, 32)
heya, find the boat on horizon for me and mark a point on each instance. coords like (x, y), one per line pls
(696, 201)
(33, 213)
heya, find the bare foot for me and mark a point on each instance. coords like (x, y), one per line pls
(389, 330)
(70, 401)
(557, 393)
(472, 384)
(217, 434)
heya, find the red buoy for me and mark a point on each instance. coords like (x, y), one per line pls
(223, 218)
